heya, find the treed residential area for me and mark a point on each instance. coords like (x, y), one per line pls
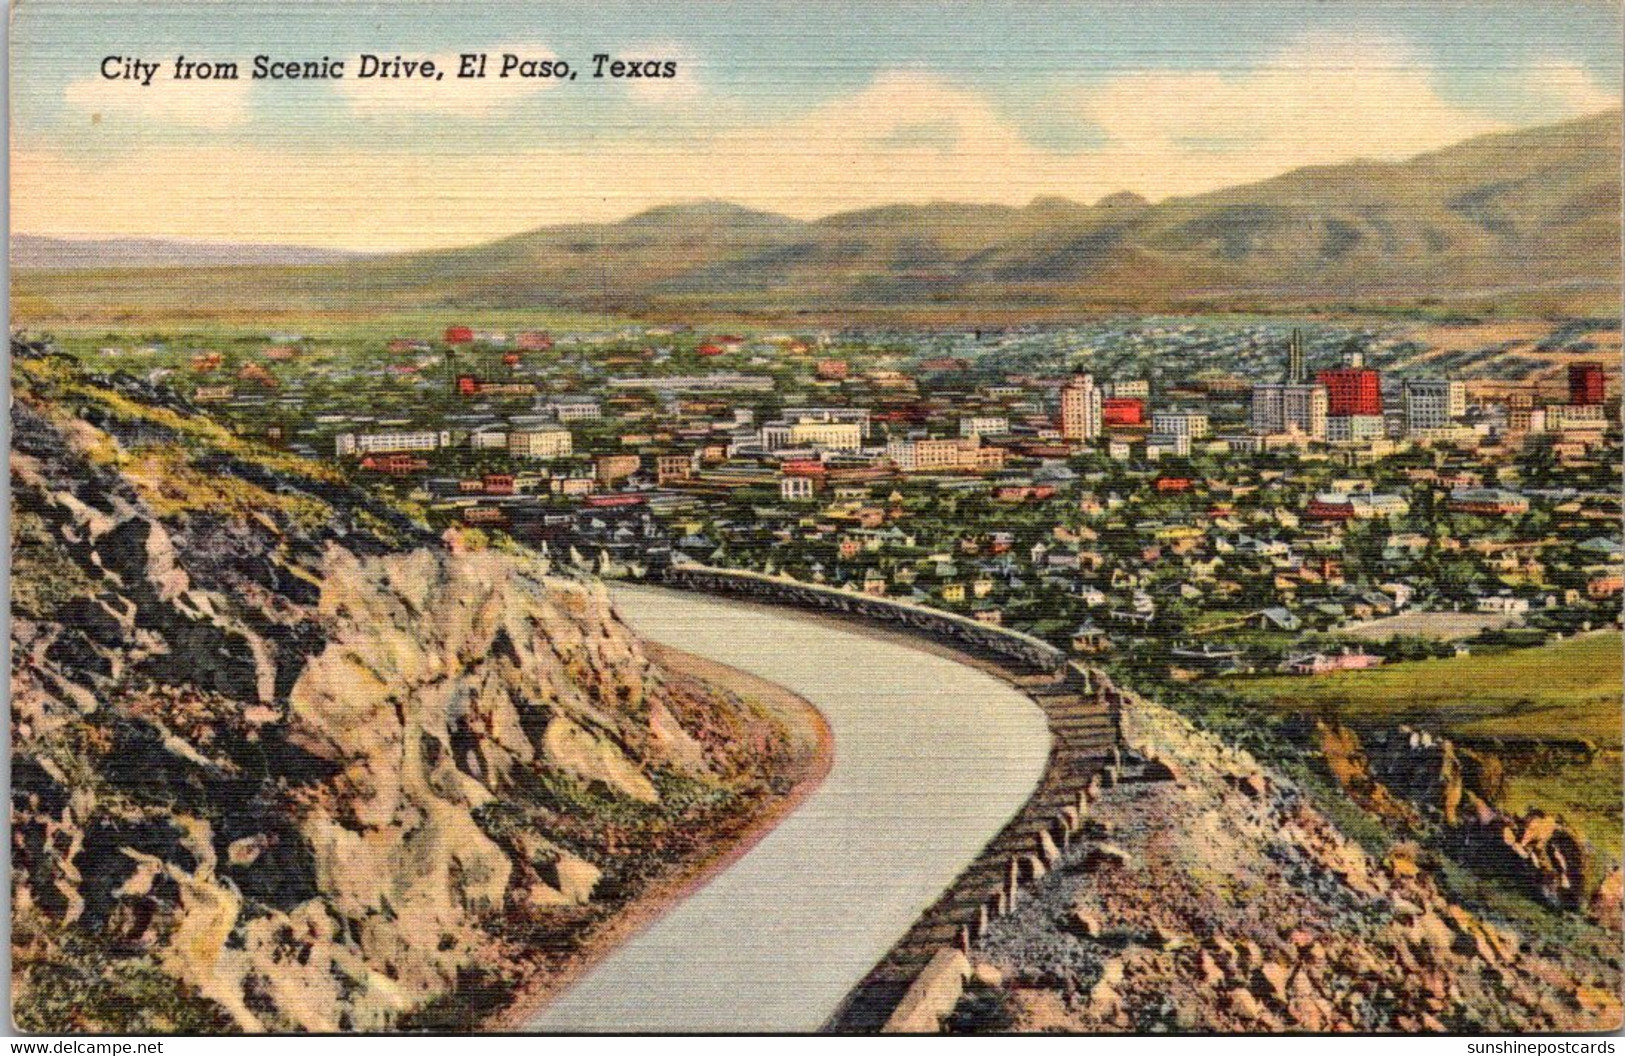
(1304, 499)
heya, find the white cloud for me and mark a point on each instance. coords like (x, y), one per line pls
(1317, 103)
(163, 102)
(1570, 87)
(447, 93)
(907, 136)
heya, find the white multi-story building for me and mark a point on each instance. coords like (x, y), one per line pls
(1355, 428)
(1290, 408)
(925, 455)
(370, 443)
(539, 443)
(1192, 425)
(1575, 417)
(1370, 505)
(858, 416)
(827, 436)
(984, 425)
(488, 439)
(1158, 445)
(795, 489)
(1433, 403)
(1080, 409)
(1136, 388)
(573, 410)
(722, 381)
(811, 432)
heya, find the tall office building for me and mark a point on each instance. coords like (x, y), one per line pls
(1433, 403)
(1587, 384)
(1297, 371)
(1351, 390)
(1290, 409)
(1080, 409)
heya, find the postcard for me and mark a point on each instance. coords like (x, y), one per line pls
(851, 517)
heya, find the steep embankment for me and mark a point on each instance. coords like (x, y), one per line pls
(1210, 895)
(282, 761)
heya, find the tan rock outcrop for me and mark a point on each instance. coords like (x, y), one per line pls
(933, 995)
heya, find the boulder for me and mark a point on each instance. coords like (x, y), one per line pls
(1156, 769)
(1163, 937)
(573, 877)
(1269, 982)
(1105, 1003)
(1243, 1005)
(1606, 903)
(932, 996)
(987, 975)
(594, 757)
(1048, 852)
(1084, 921)
(1106, 856)
(247, 850)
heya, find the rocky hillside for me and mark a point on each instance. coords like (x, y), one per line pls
(284, 761)
(1209, 895)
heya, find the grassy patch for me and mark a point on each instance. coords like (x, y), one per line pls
(1560, 692)
(1588, 795)
(1569, 689)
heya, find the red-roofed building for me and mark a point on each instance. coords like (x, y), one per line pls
(1587, 384)
(459, 335)
(1320, 509)
(1351, 391)
(1122, 410)
(394, 463)
(599, 502)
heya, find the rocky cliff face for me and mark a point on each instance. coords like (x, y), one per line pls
(1409, 776)
(282, 761)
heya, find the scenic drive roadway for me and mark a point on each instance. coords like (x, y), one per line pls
(931, 759)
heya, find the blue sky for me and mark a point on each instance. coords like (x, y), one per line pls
(801, 107)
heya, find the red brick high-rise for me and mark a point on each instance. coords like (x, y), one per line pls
(1351, 390)
(1123, 410)
(1587, 384)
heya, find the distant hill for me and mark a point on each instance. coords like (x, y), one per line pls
(1529, 218)
(40, 252)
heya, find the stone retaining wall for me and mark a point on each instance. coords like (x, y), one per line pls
(1024, 650)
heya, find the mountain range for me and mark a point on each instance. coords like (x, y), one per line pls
(1529, 218)
(42, 252)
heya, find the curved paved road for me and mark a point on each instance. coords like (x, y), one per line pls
(931, 759)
